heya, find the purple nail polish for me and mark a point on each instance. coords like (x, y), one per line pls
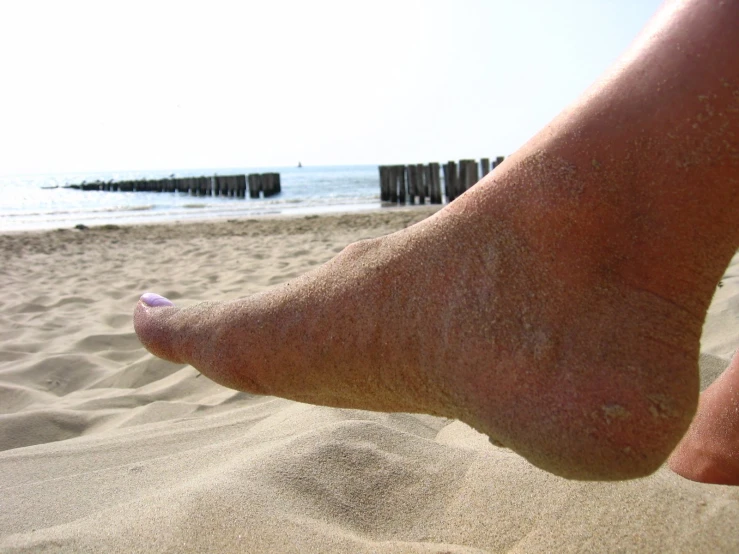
(154, 300)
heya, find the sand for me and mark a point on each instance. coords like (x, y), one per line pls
(105, 448)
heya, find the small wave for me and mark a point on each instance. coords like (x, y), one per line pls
(194, 205)
(79, 212)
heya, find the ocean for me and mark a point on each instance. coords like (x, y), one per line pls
(35, 202)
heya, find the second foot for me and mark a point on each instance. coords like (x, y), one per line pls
(709, 452)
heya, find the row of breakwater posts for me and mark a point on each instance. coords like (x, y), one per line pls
(413, 183)
(268, 184)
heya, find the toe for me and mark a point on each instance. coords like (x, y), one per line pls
(155, 321)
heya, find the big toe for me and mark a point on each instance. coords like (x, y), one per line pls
(158, 324)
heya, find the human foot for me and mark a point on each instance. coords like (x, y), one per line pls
(535, 338)
(557, 306)
(709, 452)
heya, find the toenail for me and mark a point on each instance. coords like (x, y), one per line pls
(154, 300)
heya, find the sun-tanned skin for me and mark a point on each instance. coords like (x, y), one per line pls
(557, 306)
(709, 452)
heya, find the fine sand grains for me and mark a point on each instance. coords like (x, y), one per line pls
(105, 448)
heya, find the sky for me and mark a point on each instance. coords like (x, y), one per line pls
(113, 85)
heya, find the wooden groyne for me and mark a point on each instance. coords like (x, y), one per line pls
(264, 184)
(416, 183)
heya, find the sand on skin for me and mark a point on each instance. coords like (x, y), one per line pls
(106, 448)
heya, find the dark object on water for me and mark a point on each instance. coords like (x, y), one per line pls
(81, 227)
(401, 183)
(266, 183)
(217, 185)
(300, 164)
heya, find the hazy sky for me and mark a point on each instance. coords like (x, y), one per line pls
(116, 85)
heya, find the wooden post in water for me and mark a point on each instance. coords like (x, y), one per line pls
(464, 169)
(241, 185)
(428, 181)
(384, 184)
(498, 161)
(422, 185)
(484, 166)
(412, 184)
(467, 175)
(401, 184)
(266, 186)
(255, 185)
(434, 184)
(393, 170)
(450, 180)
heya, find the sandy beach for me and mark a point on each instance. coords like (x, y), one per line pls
(105, 448)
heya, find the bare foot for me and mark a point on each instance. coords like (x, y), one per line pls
(557, 306)
(530, 339)
(709, 452)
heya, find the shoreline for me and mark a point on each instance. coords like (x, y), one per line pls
(26, 206)
(427, 209)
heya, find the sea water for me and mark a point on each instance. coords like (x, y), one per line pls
(41, 201)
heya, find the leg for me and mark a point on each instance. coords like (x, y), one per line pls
(709, 452)
(557, 306)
